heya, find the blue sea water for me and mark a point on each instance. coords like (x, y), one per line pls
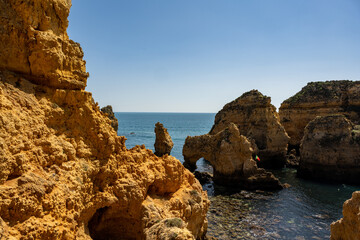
(303, 211)
(138, 128)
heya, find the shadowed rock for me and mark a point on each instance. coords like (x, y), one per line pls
(109, 111)
(163, 143)
(230, 154)
(258, 120)
(330, 150)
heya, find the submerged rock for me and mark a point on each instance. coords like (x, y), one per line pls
(163, 143)
(230, 155)
(348, 228)
(64, 172)
(110, 114)
(319, 99)
(258, 120)
(330, 150)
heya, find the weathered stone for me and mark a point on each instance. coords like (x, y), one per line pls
(230, 154)
(64, 172)
(348, 228)
(110, 114)
(319, 99)
(330, 150)
(163, 143)
(169, 229)
(34, 43)
(258, 120)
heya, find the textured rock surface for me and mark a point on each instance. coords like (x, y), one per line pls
(319, 99)
(258, 120)
(348, 228)
(163, 143)
(64, 172)
(230, 154)
(330, 150)
(34, 43)
(110, 114)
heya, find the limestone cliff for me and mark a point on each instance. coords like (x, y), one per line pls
(319, 99)
(163, 143)
(348, 228)
(34, 43)
(64, 172)
(258, 120)
(330, 150)
(110, 114)
(230, 154)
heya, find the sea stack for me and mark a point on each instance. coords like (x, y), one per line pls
(257, 119)
(163, 143)
(110, 114)
(64, 172)
(230, 154)
(330, 150)
(319, 99)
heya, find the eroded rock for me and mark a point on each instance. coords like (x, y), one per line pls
(319, 99)
(348, 227)
(258, 120)
(163, 143)
(230, 154)
(110, 114)
(34, 42)
(330, 150)
(64, 172)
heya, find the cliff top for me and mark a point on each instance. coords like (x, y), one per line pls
(252, 98)
(325, 91)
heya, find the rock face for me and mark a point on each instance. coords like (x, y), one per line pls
(348, 227)
(64, 172)
(330, 150)
(258, 120)
(34, 43)
(110, 114)
(319, 99)
(230, 154)
(163, 143)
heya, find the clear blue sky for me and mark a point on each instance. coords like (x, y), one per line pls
(197, 55)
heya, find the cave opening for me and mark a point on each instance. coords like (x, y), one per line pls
(109, 224)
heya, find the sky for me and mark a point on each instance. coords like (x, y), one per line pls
(198, 55)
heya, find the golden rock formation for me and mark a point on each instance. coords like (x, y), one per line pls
(34, 43)
(348, 228)
(64, 172)
(330, 150)
(230, 154)
(319, 99)
(258, 120)
(163, 143)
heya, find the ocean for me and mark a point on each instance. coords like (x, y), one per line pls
(303, 211)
